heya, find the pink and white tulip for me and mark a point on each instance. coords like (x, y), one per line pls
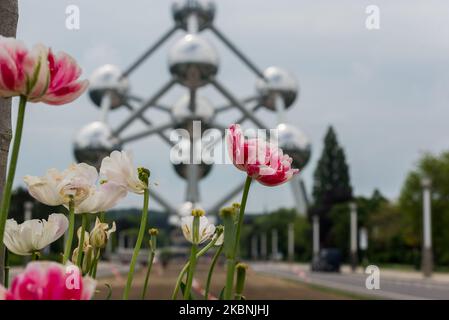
(260, 159)
(38, 74)
(44, 280)
(64, 86)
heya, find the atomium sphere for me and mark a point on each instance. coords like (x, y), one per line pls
(277, 82)
(192, 60)
(182, 158)
(203, 9)
(94, 142)
(185, 209)
(183, 114)
(294, 143)
(108, 79)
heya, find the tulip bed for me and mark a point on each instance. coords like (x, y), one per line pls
(38, 75)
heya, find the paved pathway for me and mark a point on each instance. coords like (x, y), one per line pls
(393, 284)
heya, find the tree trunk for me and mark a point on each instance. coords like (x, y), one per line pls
(9, 15)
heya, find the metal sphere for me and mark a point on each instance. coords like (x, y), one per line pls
(294, 143)
(108, 79)
(277, 82)
(94, 142)
(182, 149)
(203, 9)
(192, 60)
(185, 209)
(184, 116)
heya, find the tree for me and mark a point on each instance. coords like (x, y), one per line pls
(435, 167)
(9, 15)
(331, 184)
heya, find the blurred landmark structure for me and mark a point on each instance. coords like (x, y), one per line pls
(193, 64)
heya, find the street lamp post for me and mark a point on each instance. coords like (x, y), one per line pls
(263, 246)
(316, 236)
(427, 255)
(274, 244)
(353, 208)
(291, 242)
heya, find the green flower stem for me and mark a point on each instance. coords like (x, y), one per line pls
(68, 244)
(93, 270)
(193, 252)
(6, 197)
(232, 260)
(147, 276)
(240, 282)
(211, 271)
(81, 243)
(241, 214)
(186, 267)
(35, 256)
(143, 224)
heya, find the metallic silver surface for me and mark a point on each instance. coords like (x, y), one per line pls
(94, 142)
(294, 143)
(277, 81)
(192, 60)
(203, 9)
(183, 115)
(183, 160)
(108, 79)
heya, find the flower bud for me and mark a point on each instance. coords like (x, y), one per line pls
(240, 283)
(153, 232)
(198, 212)
(144, 175)
(100, 234)
(227, 212)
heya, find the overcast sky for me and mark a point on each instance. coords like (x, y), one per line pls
(385, 91)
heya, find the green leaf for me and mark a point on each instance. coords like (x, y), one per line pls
(221, 297)
(183, 288)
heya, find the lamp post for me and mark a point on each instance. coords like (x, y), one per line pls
(427, 255)
(291, 242)
(353, 208)
(316, 236)
(254, 249)
(274, 244)
(28, 212)
(263, 246)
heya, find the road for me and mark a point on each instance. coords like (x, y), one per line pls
(393, 285)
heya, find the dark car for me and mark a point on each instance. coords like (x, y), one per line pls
(329, 260)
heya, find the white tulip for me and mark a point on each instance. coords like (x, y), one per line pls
(119, 168)
(56, 188)
(34, 235)
(206, 229)
(102, 198)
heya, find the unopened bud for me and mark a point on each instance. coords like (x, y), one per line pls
(198, 212)
(227, 212)
(144, 174)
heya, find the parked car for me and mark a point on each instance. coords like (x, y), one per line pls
(329, 260)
